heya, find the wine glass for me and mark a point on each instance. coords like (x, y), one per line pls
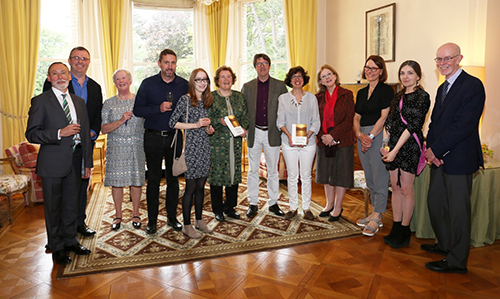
(77, 136)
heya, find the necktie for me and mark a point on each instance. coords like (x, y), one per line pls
(444, 91)
(66, 107)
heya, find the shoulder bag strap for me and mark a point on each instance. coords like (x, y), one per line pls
(406, 123)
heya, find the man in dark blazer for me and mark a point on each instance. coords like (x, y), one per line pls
(454, 150)
(60, 157)
(261, 96)
(86, 88)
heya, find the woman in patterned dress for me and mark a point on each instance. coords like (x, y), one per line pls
(125, 158)
(225, 169)
(400, 150)
(197, 147)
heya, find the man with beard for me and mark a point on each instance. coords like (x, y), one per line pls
(53, 123)
(155, 101)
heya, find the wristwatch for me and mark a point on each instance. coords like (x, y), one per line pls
(371, 136)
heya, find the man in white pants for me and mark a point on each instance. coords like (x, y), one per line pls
(261, 96)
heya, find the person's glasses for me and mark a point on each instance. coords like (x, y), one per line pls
(297, 77)
(371, 69)
(326, 76)
(198, 80)
(263, 63)
(444, 59)
(78, 58)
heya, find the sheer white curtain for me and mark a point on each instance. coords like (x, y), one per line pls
(234, 41)
(201, 42)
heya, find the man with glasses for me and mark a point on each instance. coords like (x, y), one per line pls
(261, 96)
(155, 101)
(89, 90)
(454, 151)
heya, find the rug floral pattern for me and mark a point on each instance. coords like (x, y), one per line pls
(130, 248)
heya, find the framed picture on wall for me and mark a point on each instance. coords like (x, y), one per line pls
(380, 32)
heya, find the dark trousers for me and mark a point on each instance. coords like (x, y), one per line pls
(61, 205)
(82, 199)
(156, 148)
(450, 213)
(216, 196)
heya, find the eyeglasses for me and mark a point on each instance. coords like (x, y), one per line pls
(263, 63)
(206, 80)
(78, 58)
(445, 59)
(371, 69)
(326, 76)
(297, 77)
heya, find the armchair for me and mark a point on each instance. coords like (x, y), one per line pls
(11, 184)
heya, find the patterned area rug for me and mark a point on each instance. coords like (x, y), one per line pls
(131, 248)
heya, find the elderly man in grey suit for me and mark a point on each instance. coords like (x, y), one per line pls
(261, 96)
(58, 121)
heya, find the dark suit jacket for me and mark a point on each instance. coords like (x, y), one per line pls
(94, 103)
(46, 117)
(343, 118)
(249, 90)
(453, 132)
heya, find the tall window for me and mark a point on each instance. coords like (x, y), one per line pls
(58, 35)
(263, 31)
(156, 30)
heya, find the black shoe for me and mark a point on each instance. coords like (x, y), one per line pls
(79, 249)
(136, 224)
(442, 266)
(252, 211)
(393, 233)
(232, 213)
(219, 217)
(276, 210)
(151, 228)
(85, 231)
(61, 258)
(335, 218)
(402, 237)
(116, 226)
(47, 249)
(176, 225)
(433, 249)
(325, 213)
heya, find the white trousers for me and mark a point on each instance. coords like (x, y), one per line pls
(295, 156)
(272, 154)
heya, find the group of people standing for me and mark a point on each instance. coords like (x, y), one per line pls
(144, 129)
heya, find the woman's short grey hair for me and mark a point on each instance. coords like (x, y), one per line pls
(129, 75)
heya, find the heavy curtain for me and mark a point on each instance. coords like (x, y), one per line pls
(19, 37)
(301, 32)
(218, 18)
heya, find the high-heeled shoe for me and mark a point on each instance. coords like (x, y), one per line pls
(116, 226)
(396, 225)
(136, 224)
(335, 218)
(402, 238)
(325, 213)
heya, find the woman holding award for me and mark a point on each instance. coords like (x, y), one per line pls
(226, 146)
(299, 122)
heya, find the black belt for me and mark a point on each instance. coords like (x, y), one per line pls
(263, 128)
(161, 133)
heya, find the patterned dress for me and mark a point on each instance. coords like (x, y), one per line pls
(125, 158)
(197, 145)
(415, 108)
(220, 174)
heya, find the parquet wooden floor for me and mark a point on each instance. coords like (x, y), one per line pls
(359, 267)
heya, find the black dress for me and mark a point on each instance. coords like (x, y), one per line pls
(415, 108)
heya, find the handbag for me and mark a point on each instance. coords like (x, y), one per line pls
(422, 161)
(179, 163)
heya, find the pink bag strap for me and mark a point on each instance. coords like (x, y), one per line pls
(406, 123)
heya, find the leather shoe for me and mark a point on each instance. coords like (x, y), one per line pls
(252, 211)
(151, 228)
(442, 266)
(79, 249)
(61, 258)
(219, 217)
(433, 249)
(276, 210)
(176, 225)
(232, 213)
(85, 231)
(325, 213)
(335, 218)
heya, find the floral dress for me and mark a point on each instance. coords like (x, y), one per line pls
(197, 145)
(415, 108)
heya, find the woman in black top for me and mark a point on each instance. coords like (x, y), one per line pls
(371, 110)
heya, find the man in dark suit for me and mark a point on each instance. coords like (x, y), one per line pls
(64, 143)
(261, 96)
(86, 88)
(454, 150)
